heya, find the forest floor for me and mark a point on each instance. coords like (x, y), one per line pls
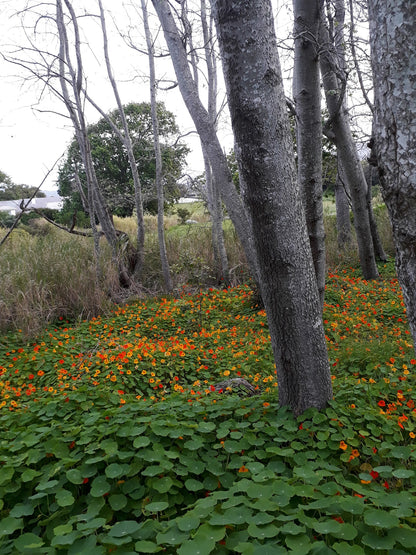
(114, 440)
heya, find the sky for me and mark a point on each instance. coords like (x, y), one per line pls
(33, 136)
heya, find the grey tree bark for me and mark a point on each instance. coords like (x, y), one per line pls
(342, 204)
(339, 130)
(307, 98)
(214, 198)
(265, 156)
(71, 79)
(158, 156)
(126, 140)
(393, 47)
(207, 133)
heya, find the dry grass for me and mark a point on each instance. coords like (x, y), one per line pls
(48, 274)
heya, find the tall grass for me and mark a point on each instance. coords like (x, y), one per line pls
(48, 274)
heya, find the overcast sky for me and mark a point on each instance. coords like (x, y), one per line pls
(32, 138)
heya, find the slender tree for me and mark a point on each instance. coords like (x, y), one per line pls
(339, 130)
(158, 156)
(265, 156)
(393, 47)
(206, 130)
(307, 98)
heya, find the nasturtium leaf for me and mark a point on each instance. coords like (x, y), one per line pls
(206, 427)
(86, 546)
(172, 536)
(259, 518)
(145, 546)
(380, 519)
(156, 506)
(141, 441)
(346, 532)
(256, 491)
(233, 515)
(74, 476)
(117, 501)
(343, 548)
(114, 470)
(29, 474)
(194, 444)
(255, 467)
(300, 544)
(124, 528)
(292, 529)
(92, 525)
(353, 505)
(64, 498)
(197, 547)
(110, 446)
(99, 486)
(66, 539)
(28, 543)
(384, 471)
(22, 509)
(163, 485)
(327, 527)
(378, 542)
(188, 522)
(402, 473)
(50, 484)
(406, 536)
(208, 532)
(193, 485)
(261, 532)
(401, 452)
(9, 525)
(62, 529)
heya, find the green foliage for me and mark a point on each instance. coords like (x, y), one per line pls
(92, 467)
(111, 162)
(183, 215)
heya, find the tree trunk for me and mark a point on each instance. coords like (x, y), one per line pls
(206, 132)
(347, 153)
(307, 97)
(158, 156)
(393, 47)
(266, 160)
(342, 206)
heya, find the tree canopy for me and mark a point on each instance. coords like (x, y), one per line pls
(112, 166)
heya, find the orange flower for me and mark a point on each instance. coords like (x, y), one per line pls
(343, 445)
(243, 469)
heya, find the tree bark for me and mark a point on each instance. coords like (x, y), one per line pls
(342, 206)
(206, 132)
(158, 156)
(393, 47)
(347, 152)
(307, 97)
(266, 161)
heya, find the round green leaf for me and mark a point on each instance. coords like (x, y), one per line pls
(117, 501)
(380, 519)
(403, 473)
(343, 548)
(196, 547)
(114, 470)
(300, 543)
(145, 546)
(157, 506)
(193, 485)
(172, 536)
(64, 498)
(188, 522)
(62, 529)
(327, 527)
(141, 441)
(378, 542)
(124, 528)
(99, 487)
(28, 543)
(9, 525)
(74, 476)
(406, 536)
(29, 474)
(261, 532)
(163, 485)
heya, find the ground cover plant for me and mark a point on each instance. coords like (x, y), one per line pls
(114, 441)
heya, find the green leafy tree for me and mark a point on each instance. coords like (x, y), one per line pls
(112, 165)
(11, 191)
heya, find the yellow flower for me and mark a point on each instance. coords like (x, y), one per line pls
(226, 372)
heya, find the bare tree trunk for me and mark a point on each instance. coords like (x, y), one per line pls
(126, 140)
(206, 132)
(342, 205)
(347, 151)
(212, 186)
(377, 244)
(307, 97)
(158, 156)
(393, 47)
(266, 160)
(68, 74)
